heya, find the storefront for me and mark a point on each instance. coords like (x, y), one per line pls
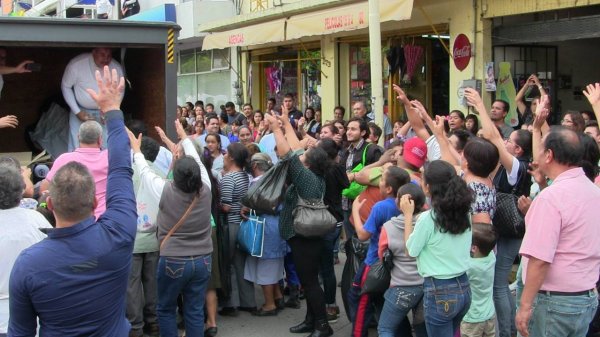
(560, 46)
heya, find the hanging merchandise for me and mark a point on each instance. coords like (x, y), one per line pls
(412, 54)
(395, 58)
(278, 78)
(490, 81)
(269, 75)
(505, 90)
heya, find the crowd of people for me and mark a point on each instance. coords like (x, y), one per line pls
(134, 237)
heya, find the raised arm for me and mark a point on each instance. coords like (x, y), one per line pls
(190, 150)
(413, 116)
(541, 114)
(121, 210)
(520, 98)
(404, 129)
(592, 92)
(489, 130)
(290, 133)
(155, 183)
(168, 143)
(282, 144)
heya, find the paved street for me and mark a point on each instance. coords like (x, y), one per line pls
(246, 325)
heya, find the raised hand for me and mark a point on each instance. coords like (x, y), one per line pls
(473, 98)
(438, 127)
(181, 134)
(541, 112)
(110, 90)
(9, 121)
(135, 143)
(592, 93)
(401, 95)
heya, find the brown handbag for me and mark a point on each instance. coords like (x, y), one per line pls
(179, 223)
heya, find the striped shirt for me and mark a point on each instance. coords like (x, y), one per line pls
(234, 186)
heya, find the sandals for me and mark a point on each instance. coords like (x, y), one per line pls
(261, 312)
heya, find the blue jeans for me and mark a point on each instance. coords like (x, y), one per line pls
(187, 276)
(398, 302)
(445, 302)
(506, 252)
(562, 316)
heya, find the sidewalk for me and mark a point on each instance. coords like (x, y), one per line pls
(246, 325)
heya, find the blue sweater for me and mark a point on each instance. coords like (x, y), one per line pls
(75, 280)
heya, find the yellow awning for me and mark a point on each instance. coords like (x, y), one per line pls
(345, 18)
(273, 31)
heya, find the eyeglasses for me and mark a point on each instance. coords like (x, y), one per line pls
(568, 121)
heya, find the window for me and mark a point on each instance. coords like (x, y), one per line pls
(203, 61)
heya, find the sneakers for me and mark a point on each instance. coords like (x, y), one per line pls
(333, 313)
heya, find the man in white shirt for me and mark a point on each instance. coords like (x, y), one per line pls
(80, 75)
(19, 229)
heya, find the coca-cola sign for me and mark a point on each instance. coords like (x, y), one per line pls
(461, 52)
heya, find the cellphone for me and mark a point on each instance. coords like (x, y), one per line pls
(33, 66)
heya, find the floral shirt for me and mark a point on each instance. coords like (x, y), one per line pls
(485, 198)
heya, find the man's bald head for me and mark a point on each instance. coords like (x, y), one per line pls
(565, 146)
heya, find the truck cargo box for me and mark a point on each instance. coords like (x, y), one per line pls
(146, 50)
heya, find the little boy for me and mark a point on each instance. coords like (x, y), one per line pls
(361, 306)
(480, 320)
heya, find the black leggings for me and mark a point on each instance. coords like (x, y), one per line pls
(306, 253)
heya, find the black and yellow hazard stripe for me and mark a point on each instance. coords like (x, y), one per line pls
(171, 46)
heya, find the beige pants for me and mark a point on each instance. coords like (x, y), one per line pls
(481, 329)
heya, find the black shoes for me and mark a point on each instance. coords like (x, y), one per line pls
(322, 333)
(293, 302)
(229, 311)
(322, 329)
(262, 313)
(303, 327)
(210, 332)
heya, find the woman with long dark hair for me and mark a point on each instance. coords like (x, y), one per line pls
(307, 176)
(441, 242)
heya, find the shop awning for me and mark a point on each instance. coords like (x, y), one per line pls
(345, 18)
(273, 31)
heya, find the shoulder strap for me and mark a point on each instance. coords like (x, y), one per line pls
(364, 156)
(179, 223)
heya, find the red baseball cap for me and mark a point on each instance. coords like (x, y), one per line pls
(415, 152)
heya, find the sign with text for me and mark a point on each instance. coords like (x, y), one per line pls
(461, 52)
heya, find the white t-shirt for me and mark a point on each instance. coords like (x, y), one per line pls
(19, 229)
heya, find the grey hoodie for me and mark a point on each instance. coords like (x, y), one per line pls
(405, 271)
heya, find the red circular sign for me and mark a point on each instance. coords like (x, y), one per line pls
(461, 52)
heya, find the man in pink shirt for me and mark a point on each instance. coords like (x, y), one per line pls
(90, 154)
(561, 247)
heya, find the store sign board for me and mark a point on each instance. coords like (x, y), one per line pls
(461, 52)
(251, 35)
(345, 18)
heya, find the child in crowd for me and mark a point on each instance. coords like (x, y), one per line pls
(480, 320)
(361, 306)
(441, 242)
(406, 285)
